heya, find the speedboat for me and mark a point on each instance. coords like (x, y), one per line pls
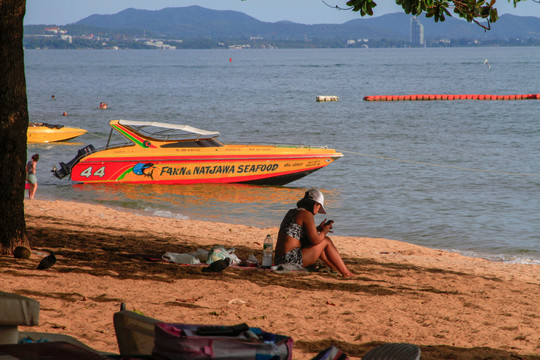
(44, 133)
(160, 153)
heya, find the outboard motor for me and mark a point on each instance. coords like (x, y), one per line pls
(65, 169)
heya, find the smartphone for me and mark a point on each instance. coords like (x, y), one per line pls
(329, 222)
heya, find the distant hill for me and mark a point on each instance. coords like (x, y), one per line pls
(188, 22)
(198, 22)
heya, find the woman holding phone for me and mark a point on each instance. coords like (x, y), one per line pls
(301, 242)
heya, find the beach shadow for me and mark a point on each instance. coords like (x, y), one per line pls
(69, 297)
(137, 256)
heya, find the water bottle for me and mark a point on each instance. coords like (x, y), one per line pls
(268, 246)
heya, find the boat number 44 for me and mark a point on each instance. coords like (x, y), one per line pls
(88, 172)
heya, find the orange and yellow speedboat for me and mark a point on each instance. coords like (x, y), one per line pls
(45, 133)
(162, 153)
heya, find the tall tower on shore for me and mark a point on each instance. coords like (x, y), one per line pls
(417, 32)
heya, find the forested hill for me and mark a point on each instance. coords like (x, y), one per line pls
(199, 22)
(197, 27)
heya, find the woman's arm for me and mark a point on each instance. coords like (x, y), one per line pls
(315, 234)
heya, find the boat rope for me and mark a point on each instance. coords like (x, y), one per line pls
(438, 165)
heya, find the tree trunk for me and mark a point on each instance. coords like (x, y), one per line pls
(13, 126)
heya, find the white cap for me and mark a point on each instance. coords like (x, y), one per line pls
(318, 197)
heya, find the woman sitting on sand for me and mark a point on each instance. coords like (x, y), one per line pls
(301, 242)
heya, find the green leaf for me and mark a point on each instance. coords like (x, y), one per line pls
(493, 15)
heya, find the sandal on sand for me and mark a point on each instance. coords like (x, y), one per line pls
(321, 269)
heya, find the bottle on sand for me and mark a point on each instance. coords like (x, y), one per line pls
(268, 247)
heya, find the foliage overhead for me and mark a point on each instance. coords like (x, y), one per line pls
(470, 10)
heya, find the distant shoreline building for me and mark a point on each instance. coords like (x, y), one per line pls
(417, 32)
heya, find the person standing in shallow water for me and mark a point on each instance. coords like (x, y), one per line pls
(31, 176)
(301, 242)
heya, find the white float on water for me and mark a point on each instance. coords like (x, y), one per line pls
(327, 98)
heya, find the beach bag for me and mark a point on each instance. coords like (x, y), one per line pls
(184, 341)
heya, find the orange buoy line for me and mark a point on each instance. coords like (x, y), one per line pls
(422, 97)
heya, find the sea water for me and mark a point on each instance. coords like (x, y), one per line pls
(455, 175)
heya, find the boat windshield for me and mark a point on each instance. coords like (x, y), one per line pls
(173, 136)
(167, 132)
(193, 143)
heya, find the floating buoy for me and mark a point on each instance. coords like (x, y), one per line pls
(430, 97)
(327, 98)
(64, 113)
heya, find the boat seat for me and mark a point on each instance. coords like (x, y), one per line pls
(15, 311)
(134, 332)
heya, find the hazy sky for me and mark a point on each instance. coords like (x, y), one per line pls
(62, 12)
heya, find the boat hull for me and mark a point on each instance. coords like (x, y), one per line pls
(279, 168)
(43, 134)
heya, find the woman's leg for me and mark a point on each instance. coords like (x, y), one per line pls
(32, 190)
(325, 260)
(328, 253)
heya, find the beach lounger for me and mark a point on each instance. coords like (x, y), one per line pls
(15, 311)
(57, 350)
(36, 337)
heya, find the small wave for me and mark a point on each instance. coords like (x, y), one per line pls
(169, 214)
(504, 258)
(321, 66)
(166, 214)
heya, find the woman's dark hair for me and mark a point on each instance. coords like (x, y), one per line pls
(35, 157)
(307, 204)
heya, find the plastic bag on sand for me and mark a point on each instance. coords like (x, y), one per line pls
(219, 252)
(200, 254)
(181, 258)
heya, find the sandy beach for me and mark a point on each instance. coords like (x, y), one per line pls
(453, 307)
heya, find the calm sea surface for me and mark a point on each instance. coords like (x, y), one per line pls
(455, 175)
